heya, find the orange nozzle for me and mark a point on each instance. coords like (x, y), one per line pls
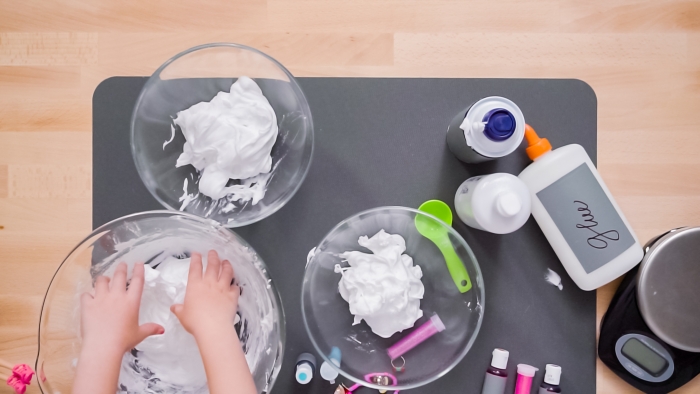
(536, 146)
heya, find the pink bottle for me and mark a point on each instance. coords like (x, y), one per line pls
(420, 334)
(525, 375)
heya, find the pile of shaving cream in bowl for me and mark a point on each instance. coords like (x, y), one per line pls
(171, 362)
(174, 356)
(230, 138)
(383, 288)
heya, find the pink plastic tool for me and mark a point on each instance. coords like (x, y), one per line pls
(525, 375)
(418, 336)
(20, 376)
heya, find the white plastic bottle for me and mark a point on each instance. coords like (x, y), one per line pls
(497, 203)
(577, 214)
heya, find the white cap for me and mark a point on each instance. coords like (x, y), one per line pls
(328, 372)
(508, 204)
(499, 359)
(305, 372)
(552, 374)
(498, 203)
(527, 370)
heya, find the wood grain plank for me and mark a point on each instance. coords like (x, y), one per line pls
(630, 16)
(17, 79)
(42, 49)
(33, 214)
(63, 111)
(50, 181)
(116, 50)
(33, 257)
(540, 49)
(131, 15)
(46, 148)
(653, 179)
(399, 15)
(654, 215)
(4, 181)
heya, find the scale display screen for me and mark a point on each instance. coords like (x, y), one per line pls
(646, 358)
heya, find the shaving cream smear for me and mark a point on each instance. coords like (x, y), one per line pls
(230, 137)
(383, 288)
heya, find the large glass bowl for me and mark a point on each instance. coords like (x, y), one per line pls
(197, 75)
(150, 237)
(329, 323)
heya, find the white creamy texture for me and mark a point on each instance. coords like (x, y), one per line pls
(553, 279)
(173, 356)
(230, 137)
(383, 288)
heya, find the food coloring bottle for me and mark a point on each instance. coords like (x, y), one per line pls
(306, 365)
(496, 374)
(552, 376)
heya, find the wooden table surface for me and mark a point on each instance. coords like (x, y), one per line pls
(641, 57)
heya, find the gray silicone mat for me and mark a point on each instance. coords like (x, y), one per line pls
(382, 142)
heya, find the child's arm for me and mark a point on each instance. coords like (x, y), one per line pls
(208, 313)
(110, 327)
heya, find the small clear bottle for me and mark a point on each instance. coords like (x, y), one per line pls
(552, 376)
(306, 365)
(496, 374)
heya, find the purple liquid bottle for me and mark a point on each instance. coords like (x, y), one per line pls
(496, 374)
(552, 375)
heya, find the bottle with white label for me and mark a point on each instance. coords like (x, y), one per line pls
(496, 375)
(552, 375)
(577, 213)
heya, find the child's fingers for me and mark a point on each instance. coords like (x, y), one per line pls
(85, 298)
(148, 329)
(195, 267)
(177, 309)
(118, 282)
(101, 285)
(226, 274)
(136, 285)
(213, 266)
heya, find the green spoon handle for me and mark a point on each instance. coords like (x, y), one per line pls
(457, 269)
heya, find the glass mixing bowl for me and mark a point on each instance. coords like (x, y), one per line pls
(329, 323)
(197, 75)
(151, 237)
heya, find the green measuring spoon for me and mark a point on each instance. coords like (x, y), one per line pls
(434, 231)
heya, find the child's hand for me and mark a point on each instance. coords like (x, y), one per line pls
(110, 326)
(110, 318)
(211, 300)
(210, 307)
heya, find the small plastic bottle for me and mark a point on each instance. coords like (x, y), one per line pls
(552, 376)
(327, 371)
(492, 127)
(577, 214)
(496, 374)
(523, 383)
(497, 203)
(306, 364)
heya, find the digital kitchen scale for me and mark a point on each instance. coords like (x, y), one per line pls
(650, 335)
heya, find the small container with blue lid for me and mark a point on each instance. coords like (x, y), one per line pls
(492, 127)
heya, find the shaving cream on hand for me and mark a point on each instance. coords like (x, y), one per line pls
(383, 288)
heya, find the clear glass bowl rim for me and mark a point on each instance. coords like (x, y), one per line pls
(102, 228)
(295, 86)
(479, 280)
